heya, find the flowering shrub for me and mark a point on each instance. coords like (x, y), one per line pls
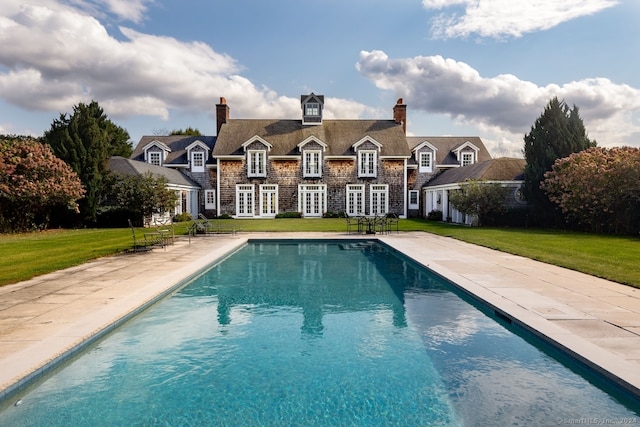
(598, 188)
(33, 181)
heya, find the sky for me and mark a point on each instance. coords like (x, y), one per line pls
(482, 68)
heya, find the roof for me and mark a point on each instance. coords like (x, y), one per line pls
(501, 169)
(285, 135)
(447, 144)
(178, 145)
(129, 167)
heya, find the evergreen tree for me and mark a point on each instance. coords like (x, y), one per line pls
(86, 140)
(188, 131)
(557, 133)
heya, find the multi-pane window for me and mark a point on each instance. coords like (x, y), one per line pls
(209, 199)
(268, 200)
(244, 200)
(311, 163)
(197, 161)
(155, 158)
(312, 199)
(467, 158)
(257, 163)
(367, 163)
(312, 109)
(379, 199)
(426, 159)
(355, 199)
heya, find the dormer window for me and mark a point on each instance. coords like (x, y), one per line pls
(312, 163)
(312, 109)
(426, 162)
(367, 162)
(256, 163)
(367, 150)
(197, 153)
(467, 154)
(155, 158)
(156, 152)
(197, 161)
(256, 150)
(312, 149)
(467, 158)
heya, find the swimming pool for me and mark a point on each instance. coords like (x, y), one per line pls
(330, 332)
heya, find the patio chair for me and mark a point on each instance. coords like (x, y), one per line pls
(198, 227)
(380, 224)
(138, 246)
(393, 222)
(353, 223)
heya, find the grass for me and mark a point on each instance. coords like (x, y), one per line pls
(23, 256)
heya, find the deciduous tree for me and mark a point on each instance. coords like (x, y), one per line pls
(32, 182)
(479, 198)
(138, 196)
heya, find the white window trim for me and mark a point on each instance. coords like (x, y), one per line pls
(378, 189)
(266, 189)
(256, 163)
(152, 154)
(303, 189)
(366, 167)
(357, 190)
(312, 169)
(209, 199)
(312, 109)
(415, 205)
(194, 166)
(245, 189)
(429, 167)
(467, 154)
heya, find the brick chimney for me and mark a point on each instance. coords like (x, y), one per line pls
(400, 114)
(222, 114)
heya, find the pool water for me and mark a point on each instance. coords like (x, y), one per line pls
(316, 333)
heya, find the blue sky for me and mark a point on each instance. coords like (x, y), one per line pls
(464, 67)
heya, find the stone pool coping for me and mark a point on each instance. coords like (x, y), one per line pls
(45, 319)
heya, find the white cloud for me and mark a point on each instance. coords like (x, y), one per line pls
(54, 56)
(504, 105)
(132, 10)
(500, 18)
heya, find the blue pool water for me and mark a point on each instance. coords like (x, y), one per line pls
(316, 333)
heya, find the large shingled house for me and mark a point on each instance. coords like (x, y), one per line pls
(257, 168)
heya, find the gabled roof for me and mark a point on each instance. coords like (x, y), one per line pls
(285, 135)
(178, 145)
(447, 145)
(130, 167)
(500, 169)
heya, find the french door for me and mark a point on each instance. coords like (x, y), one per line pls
(268, 200)
(244, 200)
(312, 199)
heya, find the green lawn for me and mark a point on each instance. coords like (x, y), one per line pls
(23, 256)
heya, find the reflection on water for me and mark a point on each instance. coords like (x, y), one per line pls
(318, 282)
(316, 333)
